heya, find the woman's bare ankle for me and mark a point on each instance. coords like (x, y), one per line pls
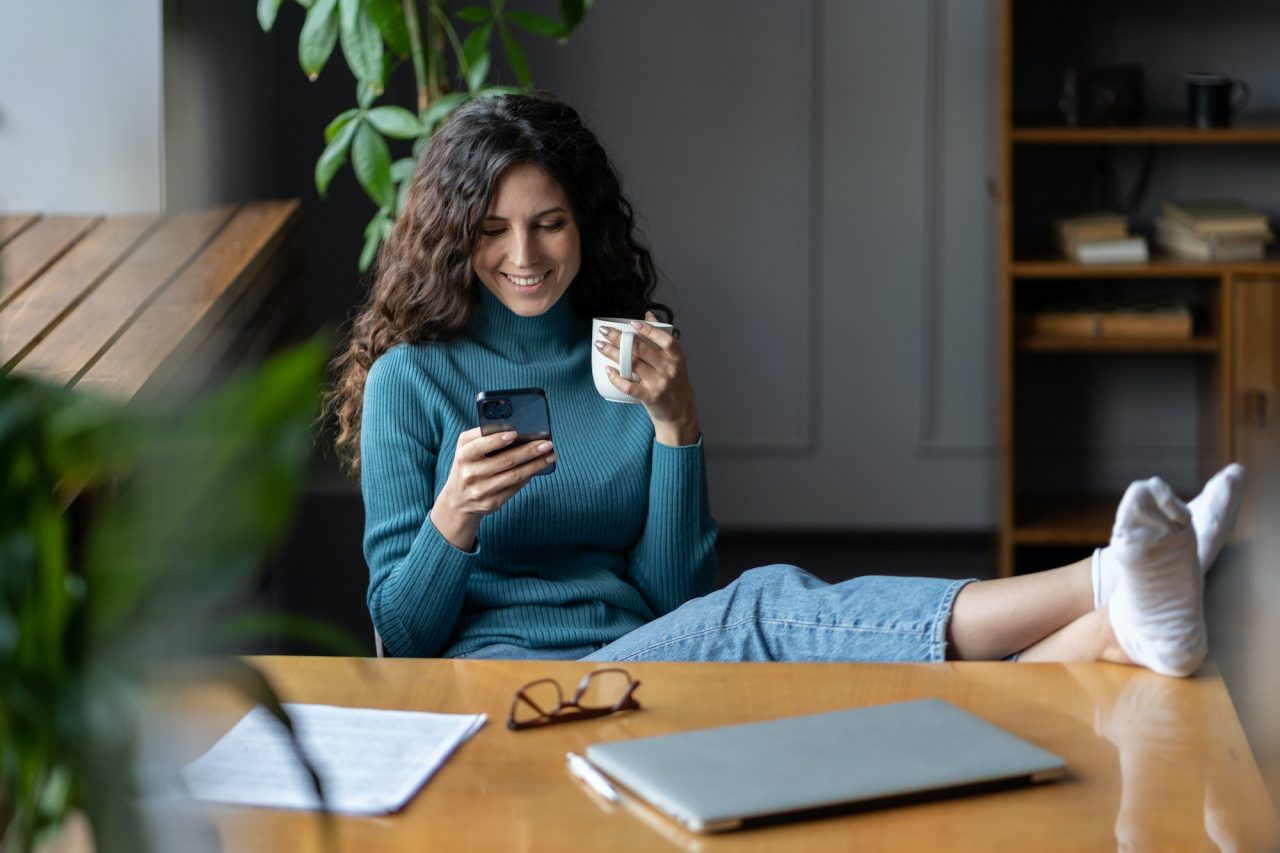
(1089, 638)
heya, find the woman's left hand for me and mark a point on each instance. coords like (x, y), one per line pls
(660, 381)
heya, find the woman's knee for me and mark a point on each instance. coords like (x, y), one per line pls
(778, 574)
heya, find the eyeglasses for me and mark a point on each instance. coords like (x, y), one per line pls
(599, 693)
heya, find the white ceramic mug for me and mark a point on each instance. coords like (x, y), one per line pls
(626, 343)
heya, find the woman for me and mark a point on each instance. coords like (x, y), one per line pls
(514, 234)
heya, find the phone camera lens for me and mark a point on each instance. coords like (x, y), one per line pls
(496, 409)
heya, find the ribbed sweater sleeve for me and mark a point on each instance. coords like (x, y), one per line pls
(417, 579)
(675, 559)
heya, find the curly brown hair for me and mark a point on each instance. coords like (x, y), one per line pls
(424, 288)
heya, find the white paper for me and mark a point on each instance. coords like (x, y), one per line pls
(370, 761)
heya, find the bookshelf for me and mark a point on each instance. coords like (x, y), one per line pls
(1229, 366)
(1166, 134)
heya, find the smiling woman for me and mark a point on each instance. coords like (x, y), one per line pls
(444, 241)
(529, 251)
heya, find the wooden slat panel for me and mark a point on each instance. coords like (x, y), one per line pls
(268, 313)
(13, 224)
(197, 302)
(31, 314)
(78, 340)
(37, 248)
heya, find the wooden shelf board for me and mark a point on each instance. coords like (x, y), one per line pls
(1072, 520)
(1045, 265)
(1194, 344)
(1264, 131)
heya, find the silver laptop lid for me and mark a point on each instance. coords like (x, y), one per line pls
(726, 777)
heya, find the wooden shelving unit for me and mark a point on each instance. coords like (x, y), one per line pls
(1170, 134)
(1046, 265)
(1194, 344)
(1230, 358)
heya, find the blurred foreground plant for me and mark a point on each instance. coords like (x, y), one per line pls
(182, 507)
(377, 38)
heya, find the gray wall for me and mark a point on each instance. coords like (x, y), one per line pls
(812, 177)
(80, 106)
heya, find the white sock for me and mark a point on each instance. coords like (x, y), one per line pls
(1213, 514)
(1157, 610)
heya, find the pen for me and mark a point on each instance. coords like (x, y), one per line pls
(593, 778)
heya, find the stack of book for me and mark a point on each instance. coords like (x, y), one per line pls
(1099, 238)
(1119, 317)
(1213, 231)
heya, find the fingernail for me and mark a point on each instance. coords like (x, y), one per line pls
(637, 325)
(552, 458)
(544, 447)
(606, 330)
(508, 436)
(600, 344)
(612, 371)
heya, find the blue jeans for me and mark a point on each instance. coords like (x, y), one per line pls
(781, 613)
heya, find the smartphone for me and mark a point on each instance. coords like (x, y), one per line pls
(523, 410)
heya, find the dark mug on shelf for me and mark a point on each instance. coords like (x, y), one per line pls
(1214, 99)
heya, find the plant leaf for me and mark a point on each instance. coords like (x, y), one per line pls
(372, 163)
(348, 11)
(402, 172)
(571, 12)
(335, 154)
(361, 43)
(388, 17)
(338, 124)
(478, 71)
(476, 43)
(319, 35)
(365, 95)
(403, 169)
(267, 11)
(374, 233)
(217, 486)
(402, 193)
(538, 24)
(443, 105)
(396, 122)
(474, 14)
(516, 58)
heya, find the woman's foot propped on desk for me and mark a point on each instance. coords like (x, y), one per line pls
(1213, 515)
(1157, 610)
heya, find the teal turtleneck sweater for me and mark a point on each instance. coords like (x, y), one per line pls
(618, 534)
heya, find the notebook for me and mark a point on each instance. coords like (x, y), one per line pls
(711, 780)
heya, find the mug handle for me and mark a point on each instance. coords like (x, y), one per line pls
(627, 338)
(1240, 97)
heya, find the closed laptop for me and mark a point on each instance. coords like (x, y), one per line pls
(730, 777)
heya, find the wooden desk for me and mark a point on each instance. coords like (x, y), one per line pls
(1154, 763)
(118, 304)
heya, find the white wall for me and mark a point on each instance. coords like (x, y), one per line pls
(80, 105)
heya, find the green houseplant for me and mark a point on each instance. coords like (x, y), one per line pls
(378, 38)
(175, 513)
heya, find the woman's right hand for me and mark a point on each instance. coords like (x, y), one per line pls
(478, 484)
